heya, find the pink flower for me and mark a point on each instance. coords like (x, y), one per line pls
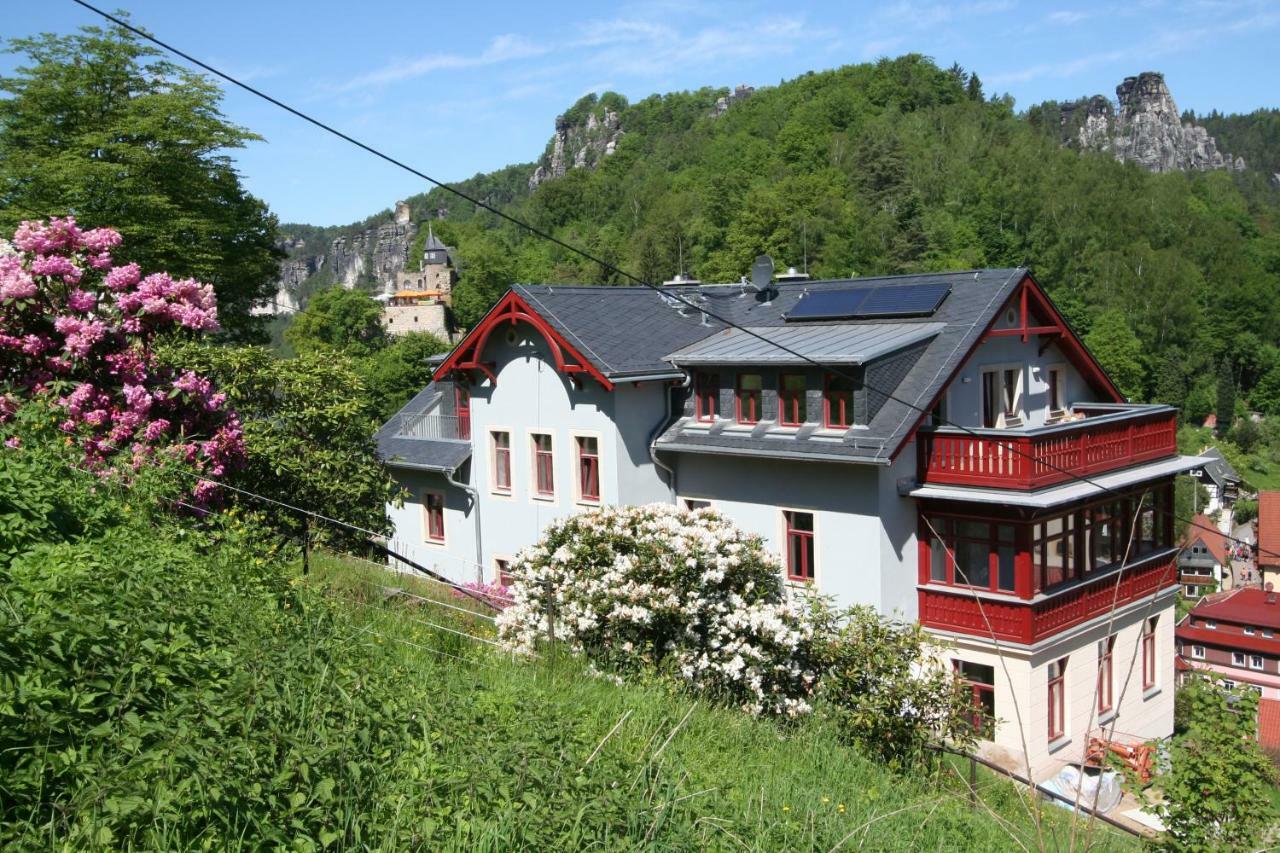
(57, 265)
(82, 301)
(15, 281)
(122, 278)
(155, 429)
(13, 442)
(100, 240)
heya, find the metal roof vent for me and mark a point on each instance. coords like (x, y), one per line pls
(679, 279)
(791, 276)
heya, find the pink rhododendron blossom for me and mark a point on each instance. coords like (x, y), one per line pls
(99, 334)
(13, 442)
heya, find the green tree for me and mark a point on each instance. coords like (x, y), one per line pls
(1217, 789)
(1226, 400)
(308, 431)
(399, 370)
(97, 126)
(487, 272)
(337, 318)
(1118, 348)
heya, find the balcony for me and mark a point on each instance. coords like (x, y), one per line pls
(1007, 619)
(433, 426)
(1104, 437)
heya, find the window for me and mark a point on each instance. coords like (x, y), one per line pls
(837, 403)
(1248, 630)
(695, 504)
(1211, 625)
(501, 569)
(1105, 648)
(1057, 699)
(588, 468)
(748, 397)
(799, 545)
(543, 466)
(1197, 652)
(1255, 661)
(1149, 654)
(1001, 395)
(791, 399)
(981, 681)
(1057, 380)
(1237, 658)
(1267, 633)
(973, 553)
(1055, 551)
(500, 441)
(463, 397)
(433, 508)
(1228, 684)
(706, 396)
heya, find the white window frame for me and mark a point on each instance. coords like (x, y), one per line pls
(574, 435)
(534, 495)
(493, 462)
(1261, 664)
(1197, 652)
(1059, 368)
(1237, 658)
(1020, 390)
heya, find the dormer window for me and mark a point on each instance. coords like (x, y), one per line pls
(1001, 395)
(748, 398)
(791, 399)
(837, 403)
(706, 393)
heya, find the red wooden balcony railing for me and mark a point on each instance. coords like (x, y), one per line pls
(1109, 437)
(1028, 622)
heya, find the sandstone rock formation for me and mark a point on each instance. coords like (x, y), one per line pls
(740, 93)
(578, 145)
(1145, 128)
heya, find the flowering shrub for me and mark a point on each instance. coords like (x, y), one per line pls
(77, 332)
(493, 593)
(659, 588)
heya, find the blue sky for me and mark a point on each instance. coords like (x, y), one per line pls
(459, 88)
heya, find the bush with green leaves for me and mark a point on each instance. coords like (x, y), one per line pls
(1217, 789)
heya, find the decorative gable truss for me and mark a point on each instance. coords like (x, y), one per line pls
(510, 310)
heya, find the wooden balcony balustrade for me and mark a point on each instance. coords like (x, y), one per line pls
(1109, 437)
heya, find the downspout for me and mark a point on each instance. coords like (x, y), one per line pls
(661, 428)
(475, 502)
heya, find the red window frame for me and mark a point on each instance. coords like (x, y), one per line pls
(544, 476)
(501, 460)
(791, 401)
(837, 402)
(462, 396)
(748, 401)
(500, 567)
(588, 468)
(1057, 699)
(1149, 654)
(957, 535)
(1105, 670)
(982, 694)
(433, 507)
(800, 545)
(706, 396)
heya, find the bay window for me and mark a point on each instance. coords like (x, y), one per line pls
(973, 553)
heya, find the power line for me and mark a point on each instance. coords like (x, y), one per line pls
(601, 262)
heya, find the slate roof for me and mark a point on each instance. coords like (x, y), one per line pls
(425, 454)
(829, 344)
(1219, 469)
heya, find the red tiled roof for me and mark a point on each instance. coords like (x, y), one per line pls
(1269, 528)
(1245, 606)
(1235, 642)
(1269, 722)
(1203, 528)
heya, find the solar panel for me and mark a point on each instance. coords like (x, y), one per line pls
(892, 300)
(828, 305)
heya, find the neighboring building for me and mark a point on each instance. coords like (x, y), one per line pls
(1233, 636)
(564, 398)
(1204, 564)
(1269, 539)
(1220, 480)
(423, 298)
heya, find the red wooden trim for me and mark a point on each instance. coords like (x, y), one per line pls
(512, 309)
(1025, 331)
(1072, 347)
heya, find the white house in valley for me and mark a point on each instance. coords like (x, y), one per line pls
(564, 398)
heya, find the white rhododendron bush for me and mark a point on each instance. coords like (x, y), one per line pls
(660, 589)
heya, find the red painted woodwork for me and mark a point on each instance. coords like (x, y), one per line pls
(959, 609)
(512, 309)
(1033, 459)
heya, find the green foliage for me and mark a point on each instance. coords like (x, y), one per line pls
(98, 126)
(1217, 789)
(882, 689)
(1226, 404)
(1245, 510)
(338, 318)
(1120, 351)
(488, 271)
(393, 374)
(308, 429)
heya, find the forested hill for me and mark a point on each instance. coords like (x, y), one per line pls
(899, 166)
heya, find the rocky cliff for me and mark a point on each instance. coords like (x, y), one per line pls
(368, 258)
(578, 144)
(1143, 127)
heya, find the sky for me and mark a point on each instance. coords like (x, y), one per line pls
(464, 87)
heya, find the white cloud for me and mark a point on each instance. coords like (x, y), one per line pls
(881, 47)
(504, 48)
(924, 15)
